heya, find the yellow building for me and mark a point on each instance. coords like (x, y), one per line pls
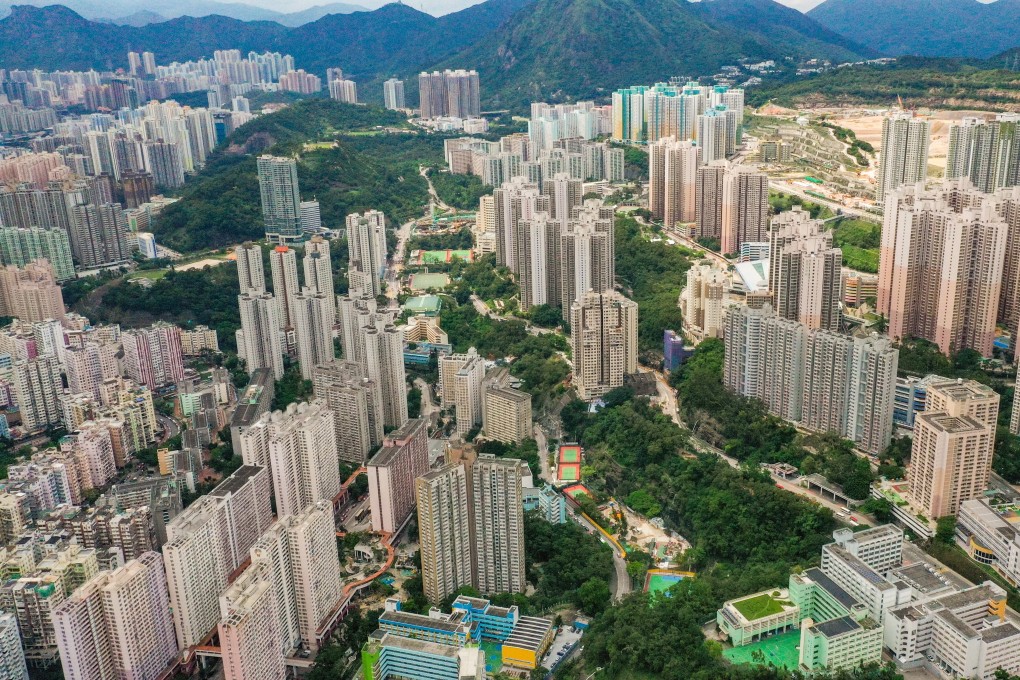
(527, 643)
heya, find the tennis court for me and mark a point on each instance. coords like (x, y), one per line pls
(441, 256)
(779, 650)
(658, 580)
(568, 463)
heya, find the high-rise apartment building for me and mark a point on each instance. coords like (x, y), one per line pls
(745, 207)
(301, 446)
(536, 260)
(283, 265)
(449, 93)
(587, 253)
(517, 199)
(37, 384)
(941, 265)
(371, 338)
(31, 293)
(903, 159)
(366, 238)
(403, 458)
(278, 187)
(318, 268)
(393, 94)
(703, 299)
(954, 439)
(12, 656)
(249, 628)
(313, 568)
(153, 356)
(805, 271)
(260, 329)
(825, 381)
(343, 90)
(498, 523)
(99, 235)
(118, 624)
(208, 541)
(604, 341)
(356, 403)
(313, 315)
(708, 203)
(672, 180)
(714, 135)
(986, 152)
(460, 385)
(444, 531)
(21, 246)
(250, 271)
(506, 414)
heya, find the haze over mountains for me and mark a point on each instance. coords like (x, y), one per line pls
(931, 28)
(133, 13)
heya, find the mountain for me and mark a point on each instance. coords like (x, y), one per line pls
(306, 16)
(394, 39)
(170, 9)
(142, 17)
(929, 28)
(584, 48)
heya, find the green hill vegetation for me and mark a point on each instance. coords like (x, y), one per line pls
(344, 162)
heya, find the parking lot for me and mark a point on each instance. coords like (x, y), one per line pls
(565, 640)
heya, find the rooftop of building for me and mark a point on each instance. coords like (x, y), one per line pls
(529, 633)
(836, 627)
(830, 586)
(859, 567)
(921, 577)
(452, 623)
(412, 645)
(236, 481)
(961, 389)
(510, 394)
(952, 424)
(1000, 632)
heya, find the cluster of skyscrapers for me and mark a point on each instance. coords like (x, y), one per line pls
(449, 93)
(711, 116)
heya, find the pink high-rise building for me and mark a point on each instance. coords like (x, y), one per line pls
(153, 355)
(391, 473)
(941, 265)
(118, 624)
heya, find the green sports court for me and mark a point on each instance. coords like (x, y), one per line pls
(782, 651)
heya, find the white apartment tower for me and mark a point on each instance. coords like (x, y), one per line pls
(587, 253)
(356, 403)
(249, 629)
(278, 188)
(498, 519)
(703, 299)
(805, 271)
(444, 531)
(313, 314)
(283, 265)
(904, 154)
(604, 341)
(303, 456)
(366, 238)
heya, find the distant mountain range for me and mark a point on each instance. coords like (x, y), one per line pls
(930, 28)
(585, 48)
(127, 12)
(523, 49)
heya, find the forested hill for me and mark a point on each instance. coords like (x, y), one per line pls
(394, 39)
(561, 49)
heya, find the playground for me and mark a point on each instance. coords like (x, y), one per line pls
(779, 650)
(421, 282)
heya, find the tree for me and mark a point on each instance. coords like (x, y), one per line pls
(593, 596)
(945, 529)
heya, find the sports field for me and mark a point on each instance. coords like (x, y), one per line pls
(782, 650)
(657, 583)
(493, 656)
(570, 454)
(426, 281)
(577, 490)
(758, 607)
(568, 472)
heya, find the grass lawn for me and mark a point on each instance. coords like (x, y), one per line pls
(154, 274)
(758, 607)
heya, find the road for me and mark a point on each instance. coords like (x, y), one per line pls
(424, 172)
(396, 268)
(429, 410)
(621, 579)
(171, 428)
(545, 470)
(485, 310)
(785, 187)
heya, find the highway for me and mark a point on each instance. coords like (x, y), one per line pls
(785, 187)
